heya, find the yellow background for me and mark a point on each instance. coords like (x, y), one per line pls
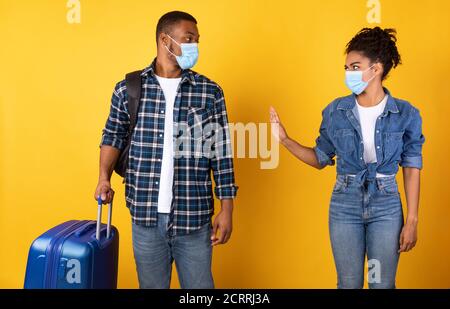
(56, 81)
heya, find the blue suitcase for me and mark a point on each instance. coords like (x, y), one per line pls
(77, 254)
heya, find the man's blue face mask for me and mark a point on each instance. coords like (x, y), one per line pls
(189, 54)
(354, 80)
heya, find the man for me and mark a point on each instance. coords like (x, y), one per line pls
(168, 190)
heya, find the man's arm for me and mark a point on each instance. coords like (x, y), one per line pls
(113, 141)
(223, 173)
(108, 158)
(223, 223)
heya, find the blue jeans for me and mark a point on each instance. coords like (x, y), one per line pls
(155, 251)
(362, 224)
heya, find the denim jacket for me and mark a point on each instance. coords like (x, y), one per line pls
(398, 139)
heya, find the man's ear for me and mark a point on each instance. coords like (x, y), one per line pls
(163, 38)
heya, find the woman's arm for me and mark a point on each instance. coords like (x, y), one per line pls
(411, 179)
(411, 163)
(305, 154)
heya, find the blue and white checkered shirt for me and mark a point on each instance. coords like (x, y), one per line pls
(199, 104)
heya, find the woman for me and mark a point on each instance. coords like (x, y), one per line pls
(371, 133)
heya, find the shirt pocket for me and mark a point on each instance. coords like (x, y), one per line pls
(393, 144)
(344, 140)
(197, 119)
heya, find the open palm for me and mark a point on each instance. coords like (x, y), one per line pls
(278, 130)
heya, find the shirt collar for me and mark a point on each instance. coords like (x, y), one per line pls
(349, 102)
(186, 75)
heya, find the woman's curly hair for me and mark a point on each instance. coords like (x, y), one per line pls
(379, 45)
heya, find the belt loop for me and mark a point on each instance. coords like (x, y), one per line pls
(346, 180)
(379, 183)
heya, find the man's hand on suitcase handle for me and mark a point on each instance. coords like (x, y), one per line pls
(105, 191)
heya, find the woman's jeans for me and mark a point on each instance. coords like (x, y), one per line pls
(155, 251)
(361, 224)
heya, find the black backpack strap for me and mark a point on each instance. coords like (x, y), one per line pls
(133, 84)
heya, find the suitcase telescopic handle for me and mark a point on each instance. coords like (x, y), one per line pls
(99, 218)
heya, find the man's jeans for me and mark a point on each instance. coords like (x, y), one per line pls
(155, 251)
(361, 224)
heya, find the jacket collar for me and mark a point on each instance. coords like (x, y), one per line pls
(349, 102)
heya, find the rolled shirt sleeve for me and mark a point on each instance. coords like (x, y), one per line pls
(413, 140)
(116, 128)
(324, 147)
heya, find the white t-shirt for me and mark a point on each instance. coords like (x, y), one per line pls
(169, 87)
(367, 118)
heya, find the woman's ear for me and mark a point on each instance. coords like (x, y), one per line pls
(378, 68)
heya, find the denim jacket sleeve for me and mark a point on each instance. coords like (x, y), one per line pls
(324, 147)
(413, 140)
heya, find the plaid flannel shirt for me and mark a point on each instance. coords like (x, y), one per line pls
(199, 103)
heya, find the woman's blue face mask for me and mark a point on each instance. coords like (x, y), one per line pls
(354, 80)
(189, 54)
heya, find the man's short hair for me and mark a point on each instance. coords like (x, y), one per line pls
(168, 20)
